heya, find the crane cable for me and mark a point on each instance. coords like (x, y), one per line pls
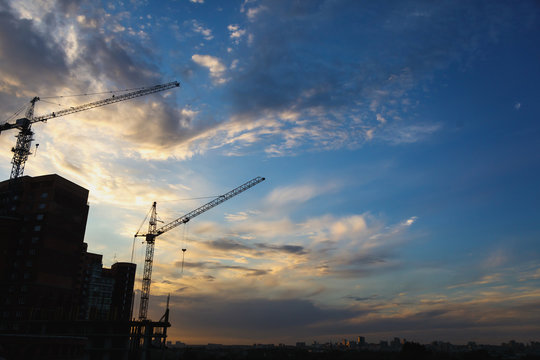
(16, 113)
(23, 107)
(95, 93)
(184, 245)
(138, 230)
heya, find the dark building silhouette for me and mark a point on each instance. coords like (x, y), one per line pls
(123, 274)
(106, 294)
(52, 290)
(41, 248)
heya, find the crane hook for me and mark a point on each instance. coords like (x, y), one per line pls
(183, 254)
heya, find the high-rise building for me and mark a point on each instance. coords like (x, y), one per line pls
(42, 225)
(123, 274)
(46, 272)
(106, 294)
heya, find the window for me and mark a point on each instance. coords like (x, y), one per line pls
(39, 217)
(37, 228)
(41, 206)
(35, 239)
(44, 195)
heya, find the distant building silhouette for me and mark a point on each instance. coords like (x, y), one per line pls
(106, 294)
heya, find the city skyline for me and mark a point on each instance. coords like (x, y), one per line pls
(398, 140)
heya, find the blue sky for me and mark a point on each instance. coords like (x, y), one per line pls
(398, 139)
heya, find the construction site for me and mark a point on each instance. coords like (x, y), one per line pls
(58, 300)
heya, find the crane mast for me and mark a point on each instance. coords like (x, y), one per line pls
(154, 231)
(24, 125)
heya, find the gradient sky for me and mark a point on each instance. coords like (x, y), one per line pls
(399, 140)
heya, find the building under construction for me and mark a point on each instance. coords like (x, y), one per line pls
(57, 301)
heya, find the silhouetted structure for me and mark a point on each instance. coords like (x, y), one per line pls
(42, 231)
(106, 294)
(52, 291)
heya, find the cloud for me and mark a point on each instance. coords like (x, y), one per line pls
(200, 29)
(423, 318)
(86, 55)
(217, 266)
(339, 97)
(231, 320)
(410, 221)
(19, 42)
(291, 249)
(360, 93)
(213, 64)
(236, 33)
(285, 196)
(257, 249)
(496, 258)
(409, 134)
(253, 12)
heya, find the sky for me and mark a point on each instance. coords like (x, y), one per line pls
(399, 141)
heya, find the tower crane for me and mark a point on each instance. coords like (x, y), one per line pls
(24, 125)
(154, 231)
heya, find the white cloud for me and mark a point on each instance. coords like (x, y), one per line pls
(86, 22)
(197, 1)
(370, 133)
(118, 28)
(236, 33)
(496, 258)
(252, 13)
(410, 221)
(213, 64)
(408, 134)
(241, 215)
(200, 29)
(289, 195)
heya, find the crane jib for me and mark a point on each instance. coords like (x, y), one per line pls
(111, 100)
(220, 199)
